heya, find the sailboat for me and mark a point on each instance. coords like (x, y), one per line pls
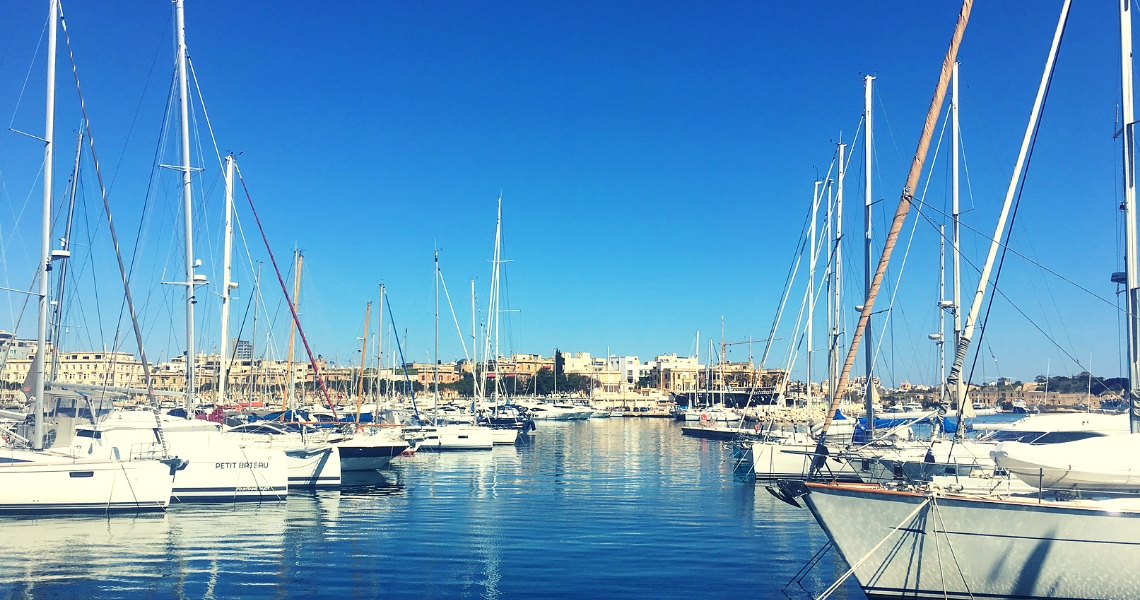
(36, 480)
(217, 467)
(311, 460)
(1074, 536)
(776, 455)
(369, 448)
(439, 435)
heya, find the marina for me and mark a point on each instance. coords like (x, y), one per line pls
(191, 408)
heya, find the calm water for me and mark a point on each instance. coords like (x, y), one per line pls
(613, 508)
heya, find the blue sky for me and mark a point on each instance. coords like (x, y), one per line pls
(655, 160)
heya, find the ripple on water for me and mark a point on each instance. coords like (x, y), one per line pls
(614, 508)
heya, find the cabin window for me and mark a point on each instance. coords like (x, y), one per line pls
(1058, 437)
(82, 473)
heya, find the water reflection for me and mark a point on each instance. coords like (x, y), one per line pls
(370, 483)
(618, 508)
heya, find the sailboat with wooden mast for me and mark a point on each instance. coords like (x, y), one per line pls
(311, 460)
(367, 449)
(1073, 536)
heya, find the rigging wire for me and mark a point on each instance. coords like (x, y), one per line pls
(284, 290)
(987, 237)
(24, 87)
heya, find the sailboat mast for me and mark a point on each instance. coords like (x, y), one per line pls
(995, 242)
(829, 284)
(1132, 275)
(363, 360)
(298, 259)
(227, 266)
(905, 201)
(959, 389)
(253, 361)
(379, 345)
(811, 286)
(475, 389)
(187, 207)
(837, 269)
(45, 231)
(723, 358)
(55, 323)
(941, 312)
(435, 362)
(868, 349)
(495, 278)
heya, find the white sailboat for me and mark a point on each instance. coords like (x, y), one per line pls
(1066, 539)
(311, 460)
(217, 468)
(774, 457)
(439, 436)
(39, 481)
(310, 456)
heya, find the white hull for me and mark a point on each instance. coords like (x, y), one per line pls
(505, 436)
(772, 461)
(1100, 463)
(454, 437)
(230, 474)
(961, 547)
(310, 460)
(40, 482)
(218, 469)
(546, 414)
(694, 415)
(313, 466)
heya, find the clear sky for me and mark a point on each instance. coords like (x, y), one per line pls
(655, 161)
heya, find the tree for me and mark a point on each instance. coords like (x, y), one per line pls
(465, 386)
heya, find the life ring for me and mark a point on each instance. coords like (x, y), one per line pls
(704, 418)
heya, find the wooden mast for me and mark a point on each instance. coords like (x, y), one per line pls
(363, 358)
(904, 207)
(289, 378)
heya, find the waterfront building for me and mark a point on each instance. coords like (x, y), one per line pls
(675, 374)
(630, 368)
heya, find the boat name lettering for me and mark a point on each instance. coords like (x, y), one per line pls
(242, 465)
